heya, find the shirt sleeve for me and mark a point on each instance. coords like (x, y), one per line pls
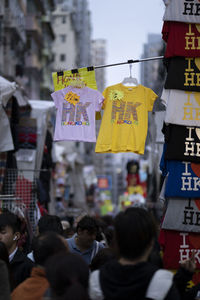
(164, 97)
(55, 97)
(151, 97)
(95, 291)
(99, 101)
(165, 31)
(105, 95)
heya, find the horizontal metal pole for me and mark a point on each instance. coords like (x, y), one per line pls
(130, 61)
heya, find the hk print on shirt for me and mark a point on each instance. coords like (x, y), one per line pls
(178, 246)
(75, 118)
(182, 39)
(183, 179)
(182, 215)
(183, 73)
(187, 11)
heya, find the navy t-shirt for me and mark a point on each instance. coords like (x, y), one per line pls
(183, 178)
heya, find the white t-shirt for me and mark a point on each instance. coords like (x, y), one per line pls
(183, 108)
(75, 117)
(182, 11)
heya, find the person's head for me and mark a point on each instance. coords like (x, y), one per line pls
(68, 276)
(108, 220)
(86, 231)
(10, 230)
(50, 223)
(135, 231)
(46, 245)
(101, 258)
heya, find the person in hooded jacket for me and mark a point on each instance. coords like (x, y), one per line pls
(131, 276)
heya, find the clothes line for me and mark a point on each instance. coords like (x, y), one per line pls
(130, 61)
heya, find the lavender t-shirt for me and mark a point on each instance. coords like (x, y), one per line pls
(75, 118)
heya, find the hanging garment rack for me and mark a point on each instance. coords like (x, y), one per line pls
(130, 61)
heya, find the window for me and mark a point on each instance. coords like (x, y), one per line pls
(62, 57)
(63, 38)
(6, 3)
(63, 19)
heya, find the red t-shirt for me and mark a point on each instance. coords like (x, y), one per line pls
(177, 246)
(183, 39)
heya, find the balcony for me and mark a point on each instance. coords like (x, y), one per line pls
(34, 28)
(32, 61)
(15, 22)
(8, 19)
(47, 23)
(32, 24)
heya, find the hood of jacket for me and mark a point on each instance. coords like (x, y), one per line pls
(125, 282)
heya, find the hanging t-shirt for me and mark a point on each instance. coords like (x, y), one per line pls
(182, 39)
(182, 11)
(84, 76)
(125, 119)
(65, 78)
(183, 179)
(178, 246)
(183, 108)
(75, 118)
(188, 140)
(182, 215)
(183, 73)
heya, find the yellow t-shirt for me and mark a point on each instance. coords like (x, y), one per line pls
(67, 78)
(125, 119)
(135, 190)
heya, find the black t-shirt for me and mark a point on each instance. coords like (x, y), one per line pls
(183, 73)
(182, 143)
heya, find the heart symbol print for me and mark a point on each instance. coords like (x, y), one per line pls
(197, 203)
(197, 130)
(194, 240)
(197, 62)
(198, 25)
(197, 97)
(196, 169)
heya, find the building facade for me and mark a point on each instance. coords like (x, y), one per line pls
(64, 46)
(26, 37)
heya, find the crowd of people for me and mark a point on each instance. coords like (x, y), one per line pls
(93, 259)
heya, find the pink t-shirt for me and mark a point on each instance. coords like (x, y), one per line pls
(75, 118)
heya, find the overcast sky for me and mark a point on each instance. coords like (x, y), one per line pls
(125, 25)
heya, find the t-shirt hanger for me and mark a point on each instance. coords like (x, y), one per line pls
(130, 81)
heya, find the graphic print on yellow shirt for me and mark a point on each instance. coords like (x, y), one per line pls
(72, 98)
(125, 119)
(67, 78)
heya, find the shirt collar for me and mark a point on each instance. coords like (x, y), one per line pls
(12, 254)
(74, 246)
